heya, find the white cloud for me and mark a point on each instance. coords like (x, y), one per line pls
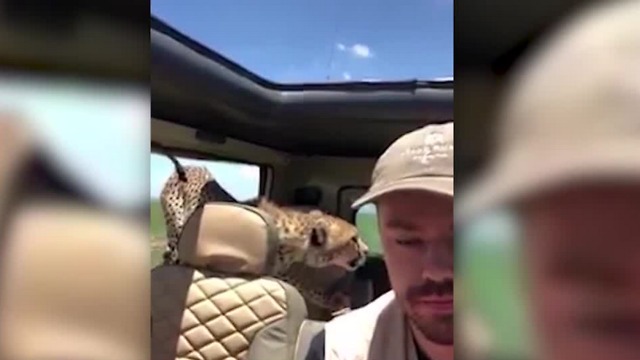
(361, 50)
(357, 50)
(346, 75)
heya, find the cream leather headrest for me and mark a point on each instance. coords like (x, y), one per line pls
(229, 238)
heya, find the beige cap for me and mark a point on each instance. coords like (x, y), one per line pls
(573, 113)
(419, 160)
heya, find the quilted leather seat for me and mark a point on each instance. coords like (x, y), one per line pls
(218, 304)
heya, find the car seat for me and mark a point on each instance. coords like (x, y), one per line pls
(220, 303)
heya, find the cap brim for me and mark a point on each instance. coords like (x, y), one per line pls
(440, 185)
(516, 179)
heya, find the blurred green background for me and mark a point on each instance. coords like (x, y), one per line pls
(158, 233)
(489, 268)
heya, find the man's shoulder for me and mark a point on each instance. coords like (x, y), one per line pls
(348, 336)
(371, 309)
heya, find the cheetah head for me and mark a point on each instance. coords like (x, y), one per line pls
(315, 239)
(332, 241)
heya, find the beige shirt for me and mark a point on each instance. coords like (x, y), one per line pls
(377, 331)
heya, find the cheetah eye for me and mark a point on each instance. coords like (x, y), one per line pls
(354, 239)
(318, 237)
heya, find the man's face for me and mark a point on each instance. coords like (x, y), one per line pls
(583, 250)
(416, 228)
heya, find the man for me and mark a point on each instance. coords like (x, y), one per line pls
(412, 187)
(569, 168)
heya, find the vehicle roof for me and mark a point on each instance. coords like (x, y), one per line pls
(197, 87)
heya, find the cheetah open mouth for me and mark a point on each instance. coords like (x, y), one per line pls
(350, 265)
(347, 264)
(356, 263)
(343, 257)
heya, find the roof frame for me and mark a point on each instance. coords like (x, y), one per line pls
(195, 86)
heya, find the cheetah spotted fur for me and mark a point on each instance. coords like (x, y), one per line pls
(313, 238)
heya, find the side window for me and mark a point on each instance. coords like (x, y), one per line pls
(241, 180)
(365, 218)
(366, 221)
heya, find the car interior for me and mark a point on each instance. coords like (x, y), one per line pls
(315, 144)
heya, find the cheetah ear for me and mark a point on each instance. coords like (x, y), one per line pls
(318, 236)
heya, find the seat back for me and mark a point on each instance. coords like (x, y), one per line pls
(218, 304)
(308, 330)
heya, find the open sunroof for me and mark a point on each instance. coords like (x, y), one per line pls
(292, 41)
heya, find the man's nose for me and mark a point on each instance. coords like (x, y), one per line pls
(438, 261)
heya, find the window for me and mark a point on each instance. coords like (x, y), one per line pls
(367, 224)
(241, 180)
(365, 218)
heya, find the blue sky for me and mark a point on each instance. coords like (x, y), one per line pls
(310, 41)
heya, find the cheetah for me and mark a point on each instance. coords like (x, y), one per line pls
(314, 239)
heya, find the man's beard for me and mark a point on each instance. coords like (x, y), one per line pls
(437, 328)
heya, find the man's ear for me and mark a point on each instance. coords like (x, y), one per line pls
(318, 236)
